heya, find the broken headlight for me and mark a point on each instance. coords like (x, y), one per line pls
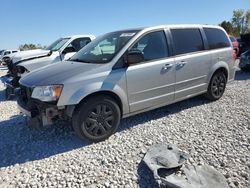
(47, 93)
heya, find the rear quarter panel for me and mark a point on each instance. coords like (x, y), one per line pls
(222, 58)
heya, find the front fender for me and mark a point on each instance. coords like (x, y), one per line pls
(114, 83)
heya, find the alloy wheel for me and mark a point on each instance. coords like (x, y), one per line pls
(99, 121)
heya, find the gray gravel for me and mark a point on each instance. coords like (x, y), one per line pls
(214, 133)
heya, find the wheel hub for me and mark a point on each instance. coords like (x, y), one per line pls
(100, 120)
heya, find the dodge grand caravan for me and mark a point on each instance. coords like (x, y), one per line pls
(126, 72)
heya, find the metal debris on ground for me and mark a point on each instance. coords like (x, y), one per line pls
(167, 164)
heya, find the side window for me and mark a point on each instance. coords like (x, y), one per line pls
(6, 53)
(187, 41)
(79, 43)
(216, 38)
(152, 45)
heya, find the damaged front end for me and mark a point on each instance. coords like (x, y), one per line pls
(11, 79)
(39, 114)
(15, 71)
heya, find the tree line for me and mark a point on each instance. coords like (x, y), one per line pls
(31, 47)
(239, 24)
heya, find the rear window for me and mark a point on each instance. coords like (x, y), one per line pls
(187, 40)
(216, 38)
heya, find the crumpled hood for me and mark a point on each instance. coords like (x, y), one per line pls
(57, 73)
(23, 55)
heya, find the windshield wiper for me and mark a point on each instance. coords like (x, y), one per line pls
(79, 60)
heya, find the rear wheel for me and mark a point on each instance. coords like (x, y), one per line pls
(96, 118)
(216, 86)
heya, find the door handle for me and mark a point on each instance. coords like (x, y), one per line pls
(181, 64)
(167, 66)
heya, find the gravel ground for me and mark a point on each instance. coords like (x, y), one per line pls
(215, 133)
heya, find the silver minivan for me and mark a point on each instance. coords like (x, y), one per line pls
(127, 72)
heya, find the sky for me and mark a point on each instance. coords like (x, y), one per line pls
(44, 21)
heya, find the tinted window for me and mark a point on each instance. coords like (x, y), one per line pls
(187, 40)
(152, 45)
(216, 38)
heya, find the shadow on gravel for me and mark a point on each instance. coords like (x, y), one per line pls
(2, 92)
(19, 143)
(242, 75)
(162, 112)
(146, 178)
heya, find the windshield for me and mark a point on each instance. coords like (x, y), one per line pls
(55, 46)
(104, 48)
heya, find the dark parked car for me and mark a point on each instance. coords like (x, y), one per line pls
(244, 42)
(245, 61)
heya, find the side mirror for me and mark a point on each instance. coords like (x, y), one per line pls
(134, 57)
(68, 50)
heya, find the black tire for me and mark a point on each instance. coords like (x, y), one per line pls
(216, 86)
(97, 118)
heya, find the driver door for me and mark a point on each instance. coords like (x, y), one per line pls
(151, 82)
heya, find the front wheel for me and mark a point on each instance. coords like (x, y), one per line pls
(97, 118)
(216, 86)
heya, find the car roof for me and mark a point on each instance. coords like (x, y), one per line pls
(11, 50)
(80, 36)
(170, 26)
